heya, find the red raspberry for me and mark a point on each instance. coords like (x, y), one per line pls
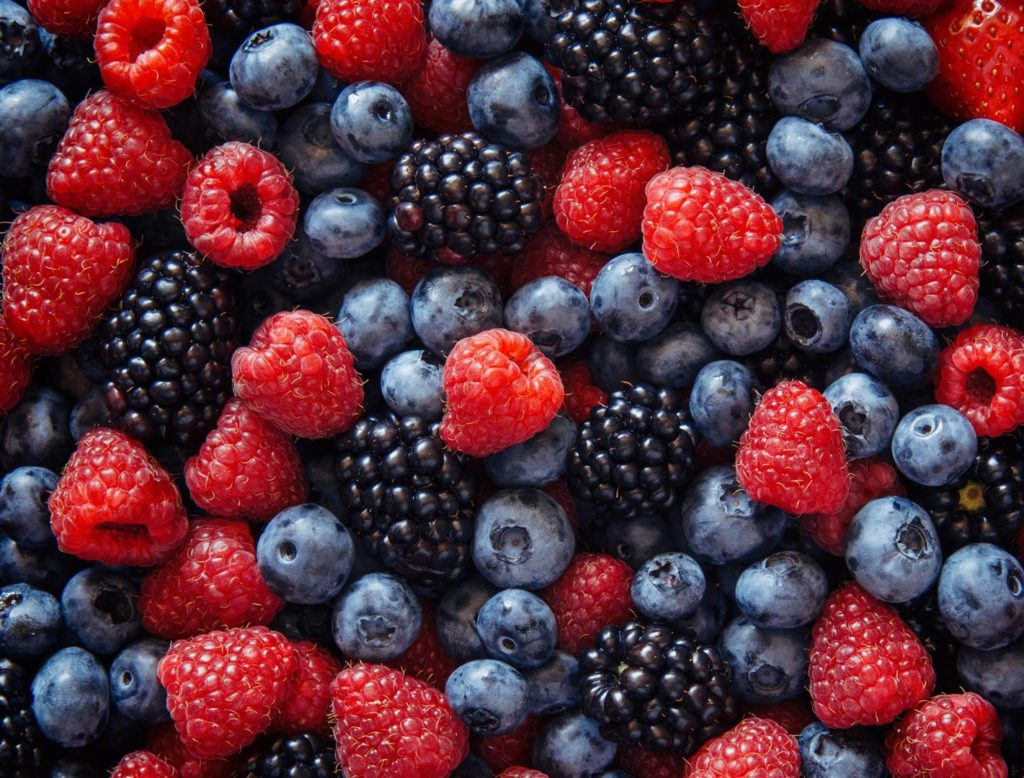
(224, 688)
(298, 374)
(497, 266)
(592, 593)
(948, 736)
(701, 226)
(869, 479)
(426, 658)
(370, 40)
(501, 390)
(165, 743)
(922, 253)
(866, 665)
(239, 207)
(779, 25)
(581, 394)
(406, 271)
(573, 129)
(152, 51)
(116, 158)
(600, 200)
(641, 763)
(981, 374)
(437, 90)
(559, 492)
(521, 772)
(389, 725)
(551, 253)
(548, 162)
(61, 271)
(115, 504)
(246, 467)
(15, 368)
(306, 709)
(792, 715)
(69, 18)
(792, 453)
(753, 747)
(516, 747)
(143, 764)
(211, 582)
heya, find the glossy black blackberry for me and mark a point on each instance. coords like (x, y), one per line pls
(168, 349)
(923, 617)
(1002, 268)
(648, 685)
(633, 62)
(783, 361)
(842, 21)
(460, 194)
(238, 17)
(306, 622)
(22, 746)
(409, 498)
(306, 755)
(635, 455)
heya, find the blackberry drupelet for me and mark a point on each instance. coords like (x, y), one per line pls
(461, 195)
(1002, 269)
(306, 755)
(648, 685)
(783, 361)
(408, 498)
(632, 62)
(239, 17)
(635, 455)
(22, 745)
(923, 617)
(168, 349)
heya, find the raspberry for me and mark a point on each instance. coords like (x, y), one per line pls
(548, 162)
(779, 25)
(866, 665)
(165, 743)
(922, 253)
(436, 92)
(406, 271)
(521, 772)
(948, 736)
(600, 200)
(551, 253)
(211, 582)
(792, 715)
(792, 453)
(389, 725)
(307, 707)
(701, 226)
(61, 271)
(426, 658)
(239, 207)
(592, 593)
(143, 764)
(981, 374)
(70, 18)
(115, 504)
(573, 129)
(501, 751)
(501, 390)
(224, 688)
(753, 747)
(298, 374)
(152, 51)
(15, 368)
(370, 40)
(643, 763)
(116, 158)
(246, 467)
(581, 394)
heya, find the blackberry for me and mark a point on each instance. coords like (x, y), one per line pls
(635, 455)
(22, 746)
(648, 685)
(461, 195)
(1002, 267)
(783, 361)
(924, 619)
(305, 755)
(841, 20)
(239, 17)
(168, 349)
(408, 498)
(632, 62)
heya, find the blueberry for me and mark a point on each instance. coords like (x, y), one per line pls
(721, 401)
(371, 122)
(668, 586)
(91, 411)
(452, 303)
(705, 623)
(847, 753)
(998, 676)
(522, 539)
(45, 569)
(808, 158)
(631, 300)
(305, 554)
(275, 68)
(675, 355)
(571, 746)
(849, 278)
(984, 161)
(134, 689)
(554, 686)
(741, 317)
(933, 445)
(326, 88)
(477, 28)
(376, 618)
(637, 540)
(307, 147)
(551, 312)
(517, 627)
(815, 232)
(24, 513)
(37, 431)
(899, 54)
(491, 697)
(539, 23)
(71, 698)
(867, 412)
(981, 596)
(456, 619)
(472, 767)
(514, 101)
(823, 81)
(612, 363)
(101, 606)
(537, 461)
(344, 223)
(30, 622)
(301, 273)
(374, 318)
(817, 317)
(769, 665)
(228, 118)
(33, 117)
(411, 385)
(894, 345)
(19, 41)
(784, 590)
(69, 767)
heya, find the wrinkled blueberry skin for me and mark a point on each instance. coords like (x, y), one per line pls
(491, 697)
(933, 445)
(514, 101)
(981, 596)
(895, 346)
(452, 303)
(101, 606)
(377, 618)
(826, 753)
(722, 400)
(71, 697)
(571, 746)
(784, 590)
(815, 232)
(134, 689)
(537, 461)
(631, 300)
(867, 412)
(769, 665)
(669, 586)
(807, 158)
(984, 161)
(899, 54)
(741, 317)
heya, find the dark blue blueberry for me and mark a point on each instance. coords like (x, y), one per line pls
(707, 621)
(134, 689)
(815, 232)
(539, 24)
(807, 158)
(867, 412)
(33, 117)
(411, 385)
(46, 569)
(637, 540)
(722, 400)
(37, 431)
(19, 41)
(30, 622)
(344, 223)
(514, 101)
(612, 363)
(933, 445)
(981, 596)
(301, 273)
(101, 606)
(374, 318)
(848, 277)
(554, 686)
(451, 303)
(675, 355)
(537, 461)
(899, 54)
(307, 147)
(522, 539)
(71, 697)
(631, 300)
(769, 665)
(228, 118)
(456, 619)
(326, 88)
(984, 161)
(894, 345)
(668, 586)
(24, 513)
(518, 627)
(89, 412)
(477, 28)
(551, 312)
(376, 618)
(571, 746)
(275, 68)
(305, 554)
(784, 590)
(371, 122)
(70, 767)
(491, 697)
(741, 317)
(998, 675)
(823, 81)
(840, 753)
(817, 317)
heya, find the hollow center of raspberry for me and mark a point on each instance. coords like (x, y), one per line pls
(246, 206)
(980, 386)
(126, 533)
(145, 34)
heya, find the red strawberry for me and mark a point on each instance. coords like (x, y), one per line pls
(15, 368)
(306, 709)
(592, 593)
(781, 25)
(143, 764)
(753, 747)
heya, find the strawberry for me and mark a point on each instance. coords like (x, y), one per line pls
(780, 25)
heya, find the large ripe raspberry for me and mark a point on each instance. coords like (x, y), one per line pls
(224, 688)
(15, 368)
(922, 253)
(792, 454)
(370, 40)
(211, 582)
(581, 393)
(115, 504)
(239, 207)
(436, 92)
(307, 708)
(501, 390)
(779, 25)
(592, 593)
(61, 271)
(246, 468)
(68, 18)
(116, 158)
(866, 665)
(701, 226)
(426, 658)
(152, 51)
(143, 764)
(753, 747)
(166, 744)
(551, 253)
(600, 200)
(389, 725)
(298, 374)
(981, 374)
